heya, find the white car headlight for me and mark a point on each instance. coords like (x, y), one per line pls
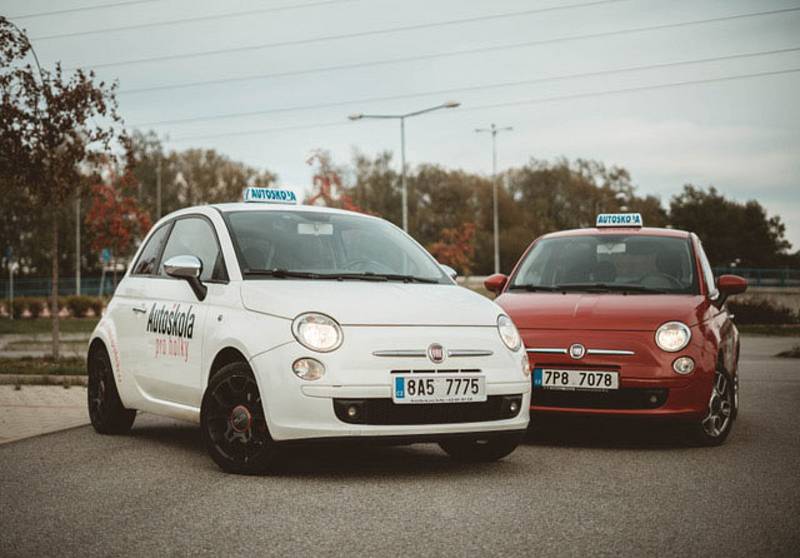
(317, 332)
(508, 333)
(673, 336)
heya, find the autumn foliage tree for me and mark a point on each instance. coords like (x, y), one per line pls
(327, 184)
(456, 248)
(115, 220)
(52, 127)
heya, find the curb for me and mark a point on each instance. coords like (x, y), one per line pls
(43, 380)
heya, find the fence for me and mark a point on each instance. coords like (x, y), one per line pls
(40, 286)
(761, 277)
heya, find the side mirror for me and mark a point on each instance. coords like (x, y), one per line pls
(729, 285)
(188, 268)
(495, 283)
(451, 273)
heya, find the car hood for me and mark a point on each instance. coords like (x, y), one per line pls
(371, 303)
(600, 311)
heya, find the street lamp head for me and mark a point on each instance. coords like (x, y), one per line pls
(451, 104)
(356, 116)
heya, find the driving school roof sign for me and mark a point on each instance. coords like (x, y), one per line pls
(269, 195)
(619, 220)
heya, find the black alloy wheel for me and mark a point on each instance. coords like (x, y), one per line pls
(233, 424)
(106, 411)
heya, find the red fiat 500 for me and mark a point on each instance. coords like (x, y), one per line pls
(626, 320)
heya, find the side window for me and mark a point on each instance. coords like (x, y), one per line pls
(708, 275)
(193, 236)
(148, 259)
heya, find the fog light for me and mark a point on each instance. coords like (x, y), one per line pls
(513, 407)
(653, 399)
(308, 369)
(352, 411)
(683, 365)
(526, 365)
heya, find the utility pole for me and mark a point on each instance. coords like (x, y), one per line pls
(11, 288)
(402, 119)
(158, 188)
(78, 244)
(495, 217)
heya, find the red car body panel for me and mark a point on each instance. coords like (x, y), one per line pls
(627, 322)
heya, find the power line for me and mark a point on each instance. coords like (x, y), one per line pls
(83, 9)
(357, 34)
(170, 22)
(443, 92)
(631, 89)
(540, 100)
(462, 52)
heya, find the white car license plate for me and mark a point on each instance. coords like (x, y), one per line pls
(438, 388)
(552, 378)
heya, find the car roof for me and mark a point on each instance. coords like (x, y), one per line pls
(242, 206)
(633, 231)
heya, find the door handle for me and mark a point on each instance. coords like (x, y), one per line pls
(139, 309)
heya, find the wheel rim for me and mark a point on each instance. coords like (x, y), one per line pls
(97, 387)
(235, 419)
(720, 407)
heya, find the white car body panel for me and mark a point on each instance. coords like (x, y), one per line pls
(254, 317)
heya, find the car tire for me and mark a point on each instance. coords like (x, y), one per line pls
(715, 427)
(233, 423)
(106, 411)
(477, 450)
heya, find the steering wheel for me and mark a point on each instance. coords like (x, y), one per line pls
(367, 265)
(656, 281)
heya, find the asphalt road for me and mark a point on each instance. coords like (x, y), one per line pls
(571, 489)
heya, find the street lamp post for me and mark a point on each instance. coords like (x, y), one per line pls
(495, 218)
(402, 119)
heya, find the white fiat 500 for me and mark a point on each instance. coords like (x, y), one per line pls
(272, 323)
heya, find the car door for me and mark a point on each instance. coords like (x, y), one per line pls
(127, 312)
(173, 328)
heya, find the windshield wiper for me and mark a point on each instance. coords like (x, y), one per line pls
(370, 276)
(607, 287)
(532, 288)
(281, 273)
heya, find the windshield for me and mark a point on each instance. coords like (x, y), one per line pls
(316, 245)
(624, 263)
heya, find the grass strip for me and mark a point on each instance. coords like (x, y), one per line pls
(44, 325)
(68, 366)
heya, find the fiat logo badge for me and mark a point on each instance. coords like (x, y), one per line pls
(436, 353)
(577, 351)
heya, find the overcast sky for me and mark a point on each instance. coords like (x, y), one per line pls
(741, 135)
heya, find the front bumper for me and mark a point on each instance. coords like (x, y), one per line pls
(301, 410)
(648, 385)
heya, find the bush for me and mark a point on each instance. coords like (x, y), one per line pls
(18, 307)
(36, 306)
(79, 305)
(61, 302)
(757, 312)
(97, 305)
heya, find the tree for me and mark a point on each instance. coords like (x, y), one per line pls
(49, 129)
(730, 231)
(115, 220)
(189, 177)
(456, 248)
(376, 186)
(327, 183)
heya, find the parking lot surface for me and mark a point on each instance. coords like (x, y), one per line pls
(574, 488)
